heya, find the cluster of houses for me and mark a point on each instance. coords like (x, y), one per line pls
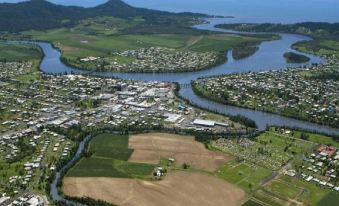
(12, 69)
(321, 166)
(289, 92)
(26, 199)
(156, 59)
(44, 156)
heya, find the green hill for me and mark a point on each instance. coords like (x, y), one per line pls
(41, 14)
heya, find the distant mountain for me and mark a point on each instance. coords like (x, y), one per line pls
(41, 14)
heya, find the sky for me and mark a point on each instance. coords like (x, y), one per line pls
(285, 11)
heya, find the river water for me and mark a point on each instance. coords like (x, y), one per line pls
(268, 57)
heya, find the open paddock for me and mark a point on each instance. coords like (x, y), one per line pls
(178, 188)
(152, 147)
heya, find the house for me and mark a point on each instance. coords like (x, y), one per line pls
(325, 150)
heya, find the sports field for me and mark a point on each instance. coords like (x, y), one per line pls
(293, 191)
(245, 175)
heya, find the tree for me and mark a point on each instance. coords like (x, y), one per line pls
(304, 136)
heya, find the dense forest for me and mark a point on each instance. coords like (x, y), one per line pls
(41, 15)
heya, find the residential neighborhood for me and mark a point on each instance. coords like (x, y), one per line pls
(297, 93)
(153, 59)
(36, 114)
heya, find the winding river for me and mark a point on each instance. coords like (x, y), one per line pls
(268, 57)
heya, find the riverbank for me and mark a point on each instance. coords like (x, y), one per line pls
(103, 53)
(258, 62)
(284, 94)
(325, 35)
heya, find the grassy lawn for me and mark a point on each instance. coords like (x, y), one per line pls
(314, 194)
(251, 203)
(269, 150)
(244, 175)
(284, 189)
(298, 190)
(319, 138)
(18, 52)
(109, 158)
(279, 142)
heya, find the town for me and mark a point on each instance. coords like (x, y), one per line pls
(297, 93)
(202, 103)
(38, 117)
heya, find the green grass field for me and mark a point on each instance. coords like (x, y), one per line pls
(318, 138)
(302, 191)
(280, 143)
(270, 150)
(245, 175)
(109, 158)
(18, 52)
(76, 42)
(251, 203)
(321, 46)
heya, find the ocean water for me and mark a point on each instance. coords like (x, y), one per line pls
(277, 11)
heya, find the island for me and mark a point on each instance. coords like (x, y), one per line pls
(292, 57)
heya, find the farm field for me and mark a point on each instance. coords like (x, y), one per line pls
(118, 169)
(151, 148)
(78, 44)
(18, 52)
(178, 188)
(109, 156)
(108, 44)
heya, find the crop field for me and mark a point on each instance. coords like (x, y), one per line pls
(109, 159)
(95, 40)
(151, 148)
(18, 52)
(118, 168)
(177, 188)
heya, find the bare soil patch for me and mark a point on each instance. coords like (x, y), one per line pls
(177, 189)
(150, 148)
